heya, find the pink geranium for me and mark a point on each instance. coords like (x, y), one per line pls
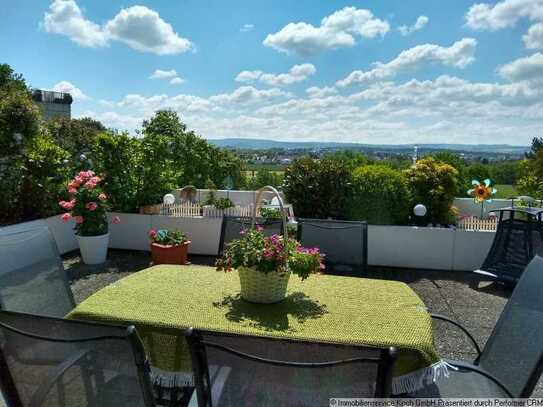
(79, 219)
(102, 197)
(66, 217)
(152, 233)
(90, 185)
(116, 220)
(91, 206)
(72, 190)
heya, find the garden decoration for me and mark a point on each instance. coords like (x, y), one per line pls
(265, 263)
(482, 192)
(169, 246)
(88, 207)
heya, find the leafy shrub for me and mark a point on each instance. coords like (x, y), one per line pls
(434, 185)
(117, 158)
(223, 203)
(531, 171)
(318, 188)
(379, 196)
(264, 177)
(168, 237)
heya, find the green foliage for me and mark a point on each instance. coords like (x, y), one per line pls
(379, 196)
(116, 156)
(273, 254)
(168, 237)
(434, 185)
(19, 126)
(78, 136)
(318, 188)
(352, 159)
(270, 213)
(531, 171)
(223, 203)
(264, 177)
(45, 174)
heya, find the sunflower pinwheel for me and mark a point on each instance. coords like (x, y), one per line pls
(482, 192)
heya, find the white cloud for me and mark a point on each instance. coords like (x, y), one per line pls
(248, 76)
(68, 87)
(142, 29)
(247, 28)
(177, 81)
(458, 55)
(524, 69)
(419, 25)
(533, 39)
(249, 94)
(160, 74)
(138, 26)
(337, 30)
(66, 18)
(316, 92)
(297, 73)
(505, 13)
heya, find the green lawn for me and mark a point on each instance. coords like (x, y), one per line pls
(505, 191)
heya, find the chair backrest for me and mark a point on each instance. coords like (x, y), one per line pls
(233, 225)
(344, 243)
(235, 370)
(32, 277)
(56, 362)
(514, 351)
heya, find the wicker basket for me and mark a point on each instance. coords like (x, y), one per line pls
(263, 288)
(257, 286)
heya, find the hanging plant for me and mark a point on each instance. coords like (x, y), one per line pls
(482, 192)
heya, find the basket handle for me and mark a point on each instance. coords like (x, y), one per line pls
(271, 189)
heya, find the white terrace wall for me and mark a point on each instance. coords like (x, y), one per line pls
(393, 246)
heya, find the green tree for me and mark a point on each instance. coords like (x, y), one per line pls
(434, 185)
(531, 171)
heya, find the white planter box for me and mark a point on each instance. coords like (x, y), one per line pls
(410, 247)
(131, 233)
(470, 249)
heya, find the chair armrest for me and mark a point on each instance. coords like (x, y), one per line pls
(51, 379)
(476, 369)
(468, 334)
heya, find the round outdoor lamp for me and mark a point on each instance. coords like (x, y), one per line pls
(419, 210)
(168, 199)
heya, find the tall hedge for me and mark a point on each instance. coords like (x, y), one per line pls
(318, 188)
(379, 196)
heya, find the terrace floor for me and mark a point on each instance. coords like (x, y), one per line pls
(444, 292)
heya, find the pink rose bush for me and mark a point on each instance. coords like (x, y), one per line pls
(273, 254)
(87, 205)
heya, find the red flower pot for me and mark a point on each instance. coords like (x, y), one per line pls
(169, 254)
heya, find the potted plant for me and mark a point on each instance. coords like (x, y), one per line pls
(265, 264)
(169, 246)
(88, 207)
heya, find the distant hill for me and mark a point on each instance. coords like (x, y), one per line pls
(257, 144)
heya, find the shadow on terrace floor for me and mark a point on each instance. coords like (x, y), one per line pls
(443, 292)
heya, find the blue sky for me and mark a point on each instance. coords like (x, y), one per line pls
(359, 71)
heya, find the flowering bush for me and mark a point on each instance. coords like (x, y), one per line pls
(87, 205)
(168, 237)
(270, 254)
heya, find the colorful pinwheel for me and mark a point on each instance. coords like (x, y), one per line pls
(482, 192)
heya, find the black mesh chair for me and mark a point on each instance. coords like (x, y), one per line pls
(32, 277)
(88, 364)
(512, 359)
(234, 370)
(233, 225)
(345, 244)
(518, 239)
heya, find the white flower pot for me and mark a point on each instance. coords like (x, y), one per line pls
(93, 248)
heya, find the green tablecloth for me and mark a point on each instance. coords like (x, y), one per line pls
(164, 300)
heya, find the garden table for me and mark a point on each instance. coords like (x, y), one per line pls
(163, 301)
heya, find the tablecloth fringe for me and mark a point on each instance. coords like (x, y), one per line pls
(411, 382)
(172, 379)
